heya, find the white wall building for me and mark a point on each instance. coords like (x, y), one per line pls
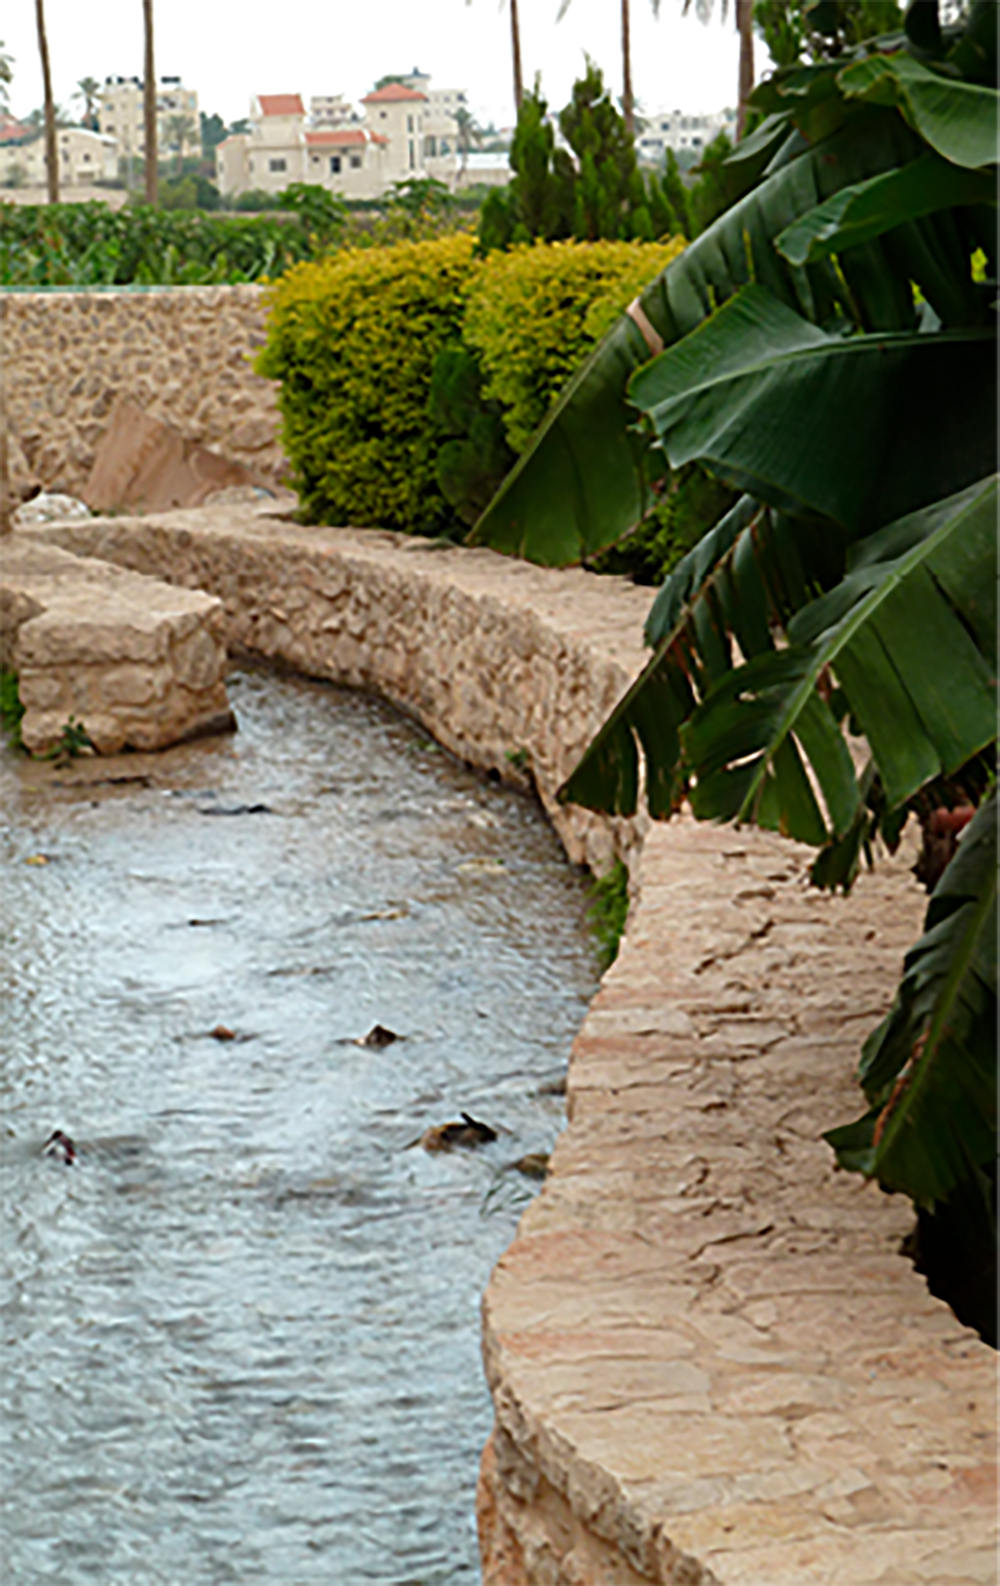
(680, 130)
(84, 158)
(403, 132)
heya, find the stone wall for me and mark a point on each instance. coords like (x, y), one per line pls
(181, 355)
(512, 667)
(710, 1363)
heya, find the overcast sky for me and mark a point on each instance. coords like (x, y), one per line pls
(228, 52)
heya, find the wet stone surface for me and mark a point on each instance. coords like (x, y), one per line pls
(240, 1336)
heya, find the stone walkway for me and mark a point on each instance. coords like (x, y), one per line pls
(710, 1364)
(708, 1357)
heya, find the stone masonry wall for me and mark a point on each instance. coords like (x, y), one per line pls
(507, 664)
(182, 355)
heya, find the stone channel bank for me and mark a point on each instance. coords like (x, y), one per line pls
(708, 1360)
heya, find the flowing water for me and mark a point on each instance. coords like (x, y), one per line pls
(239, 1340)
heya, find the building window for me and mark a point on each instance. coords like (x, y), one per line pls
(409, 123)
(355, 162)
(413, 157)
(277, 165)
(430, 148)
(335, 164)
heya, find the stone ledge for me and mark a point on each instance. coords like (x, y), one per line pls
(137, 663)
(709, 1363)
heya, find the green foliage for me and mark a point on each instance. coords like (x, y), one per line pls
(538, 203)
(11, 709)
(474, 458)
(608, 910)
(91, 245)
(534, 313)
(213, 132)
(692, 500)
(322, 215)
(712, 194)
(354, 340)
(793, 28)
(609, 198)
(598, 195)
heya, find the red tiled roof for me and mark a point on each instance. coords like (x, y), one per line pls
(12, 131)
(348, 135)
(391, 92)
(281, 105)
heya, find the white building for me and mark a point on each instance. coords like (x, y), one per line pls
(85, 157)
(403, 132)
(121, 115)
(679, 130)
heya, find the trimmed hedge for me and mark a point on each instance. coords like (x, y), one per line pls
(399, 364)
(353, 341)
(535, 312)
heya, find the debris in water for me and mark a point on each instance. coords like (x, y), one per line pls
(234, 809)
(378, 1035)
(61, 1147)
(445, 1136)
(534, 1164)
(481, 867)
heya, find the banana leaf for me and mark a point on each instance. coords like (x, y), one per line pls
(920, 589)
(930, 1068)
(957, 119)
(585, 480)
(746, 570)
(882, 632)
(859, 429)
(869, 209)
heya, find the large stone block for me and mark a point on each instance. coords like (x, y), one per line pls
(137, 663)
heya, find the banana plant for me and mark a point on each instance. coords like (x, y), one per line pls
(828, 346)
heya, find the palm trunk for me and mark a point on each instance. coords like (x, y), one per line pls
(628, 104)
(515, 38)
(744, 25)
(149, 105)
(51, 151)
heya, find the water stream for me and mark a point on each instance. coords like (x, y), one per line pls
(240, 1338)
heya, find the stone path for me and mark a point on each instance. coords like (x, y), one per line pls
(708, 1357)
(711, 1366)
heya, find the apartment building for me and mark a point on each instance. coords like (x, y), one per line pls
(121, 115)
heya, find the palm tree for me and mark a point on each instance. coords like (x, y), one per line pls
(88, 89)
(51, 151)
(515, 41)
(628, 98)
(149, 104)
(6, 77)
(180, 131)
(744, 27)
(469, 132)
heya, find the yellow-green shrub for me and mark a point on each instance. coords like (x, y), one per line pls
(535, 312)
(353, 341)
